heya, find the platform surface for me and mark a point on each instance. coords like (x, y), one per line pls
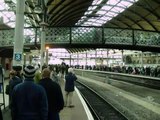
(79, 112)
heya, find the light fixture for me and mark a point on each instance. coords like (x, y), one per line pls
(38, 9)
(47, 47)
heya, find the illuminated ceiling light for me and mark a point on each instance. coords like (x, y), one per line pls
(47, 48)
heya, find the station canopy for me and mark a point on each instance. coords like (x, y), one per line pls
(132, 14)
(125, 14)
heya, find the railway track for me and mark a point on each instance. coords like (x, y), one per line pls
(145, 81)
(100, 108)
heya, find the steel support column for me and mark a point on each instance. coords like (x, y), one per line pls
(19, 36)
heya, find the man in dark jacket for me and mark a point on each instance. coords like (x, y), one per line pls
(29, 100)
(54, 95)
(69, 87)
(14, 80)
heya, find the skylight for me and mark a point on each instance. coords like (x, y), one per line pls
(7, 12)
(97, 17)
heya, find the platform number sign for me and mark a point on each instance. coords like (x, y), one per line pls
(18, 56)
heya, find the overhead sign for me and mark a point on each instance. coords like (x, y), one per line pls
(18, 56)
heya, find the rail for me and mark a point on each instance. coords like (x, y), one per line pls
(101, 109)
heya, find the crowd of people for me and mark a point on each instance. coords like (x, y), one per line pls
(36, 94)
(146, 71)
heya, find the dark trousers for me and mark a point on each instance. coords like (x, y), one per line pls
(1, 117)
(53, 116)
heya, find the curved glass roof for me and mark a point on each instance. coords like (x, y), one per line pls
(97, 14)
(102, 11)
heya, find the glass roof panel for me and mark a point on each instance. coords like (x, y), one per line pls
(125, 3)
(112, 14)
(106, 7)
(92, 8)
(113, 2)
(105, 18)
(96, 2)
(118, 9)
(7, 11)
(92, 20)
(11, 24)
(96, 24)
(100, 21)
(101, 12)
(108, 10)
(89, 12)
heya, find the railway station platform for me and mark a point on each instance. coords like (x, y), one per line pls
(79, 112)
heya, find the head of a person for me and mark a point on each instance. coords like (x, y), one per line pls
(17, 69)
(70, 70)
(12, 73)
(29, 71)
(46, 73)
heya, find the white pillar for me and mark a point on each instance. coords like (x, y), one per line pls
(108, 57)
(47, 57)
(86, 58)
(25, 58)
(77, 58)
(122, 57)
(18, 37)
(43, 37)
(95, 57)
(141, 59)
(70, 63)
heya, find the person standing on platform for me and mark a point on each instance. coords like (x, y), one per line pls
(14, 80)
(29, 100)
(2, 74)
(69, 87)
(18, 70)
(54, 95)
(38, 75)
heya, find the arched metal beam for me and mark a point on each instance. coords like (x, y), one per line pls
(70, 12)
(131, 19)
(60, 11)
(133, 11)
